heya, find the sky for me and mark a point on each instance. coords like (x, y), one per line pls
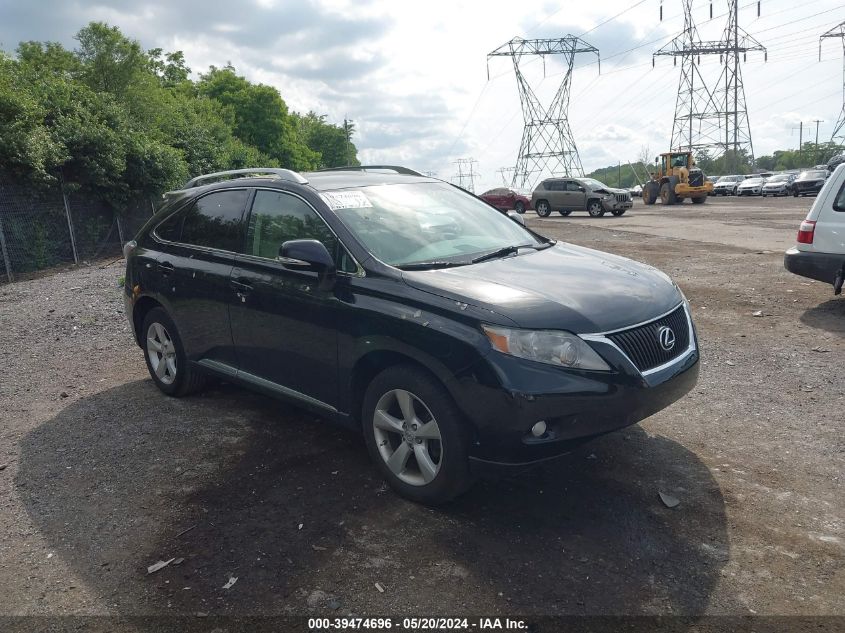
(415, 79)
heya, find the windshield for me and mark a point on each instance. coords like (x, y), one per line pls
(753, 181)
(807, 175)
(594, 184)
(779, 178)
(426, 222)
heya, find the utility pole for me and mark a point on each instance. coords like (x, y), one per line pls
(838, 135)
(715, 118)
(346, 131)
(816, 148)
(619, 174)
(548, 145)
(800, 140)
(466, 174)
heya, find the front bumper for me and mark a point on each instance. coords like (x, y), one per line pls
(818, 266)
(504, 396)
(776, 191)
(807, 189)
(616, 205)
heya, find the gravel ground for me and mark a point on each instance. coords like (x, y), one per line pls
(104, 476)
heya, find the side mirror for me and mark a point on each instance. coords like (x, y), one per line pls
(513, 215)
(309, 256)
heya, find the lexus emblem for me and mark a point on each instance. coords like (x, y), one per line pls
(666, 338)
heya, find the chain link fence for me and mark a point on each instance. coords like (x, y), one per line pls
(43, 229)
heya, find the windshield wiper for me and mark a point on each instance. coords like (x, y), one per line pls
(507, 250)
(430, 265)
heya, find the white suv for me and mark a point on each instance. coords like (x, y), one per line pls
(820, 251)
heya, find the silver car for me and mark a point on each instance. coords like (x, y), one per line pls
(778, 185)
(750, 187)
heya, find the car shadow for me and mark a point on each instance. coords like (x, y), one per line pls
(829, 316)
(234, 485)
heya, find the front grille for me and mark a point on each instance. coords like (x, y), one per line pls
(696, 178)
(642, 346)
(623, 197)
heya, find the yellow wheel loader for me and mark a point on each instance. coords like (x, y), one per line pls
(676, 178)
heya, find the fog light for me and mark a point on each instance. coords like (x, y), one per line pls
(539, 429)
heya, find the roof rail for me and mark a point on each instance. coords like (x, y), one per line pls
(283, 174)
(397, 168)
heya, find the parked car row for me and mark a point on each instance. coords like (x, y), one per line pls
(807, 182)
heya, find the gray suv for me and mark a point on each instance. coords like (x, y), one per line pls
(566, 195)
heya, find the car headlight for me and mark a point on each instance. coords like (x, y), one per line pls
(546, 346)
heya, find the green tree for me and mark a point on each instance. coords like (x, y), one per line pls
(259, 117)
(110, 60)
(332, 142)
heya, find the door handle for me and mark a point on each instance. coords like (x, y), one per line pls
(241, 289)
(240, 285)
(165, 268)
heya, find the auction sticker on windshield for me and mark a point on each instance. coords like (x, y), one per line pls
(346, 200)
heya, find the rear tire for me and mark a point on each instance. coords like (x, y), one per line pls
(699, 200)
(166, 360)
(618, 212)
(565, 212)
(649, 193)
(416, 435)
(543, 209)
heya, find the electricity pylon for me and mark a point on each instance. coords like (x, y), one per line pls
(547, 142)
(465, 178)
(697, 123)
(718, 117)
(838, 135)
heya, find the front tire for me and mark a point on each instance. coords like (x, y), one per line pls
(667, 194)
(416, 436)
(565, 212)
(595, 209)
(618, 212)
(519, 207)
(699, 200)
(166, 360)
(543, 209)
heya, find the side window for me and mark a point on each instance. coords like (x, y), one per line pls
(571, 185)
(839, 201)
(556, 185)
(215, 220)
(279, 217)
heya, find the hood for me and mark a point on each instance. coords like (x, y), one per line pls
(561, 287)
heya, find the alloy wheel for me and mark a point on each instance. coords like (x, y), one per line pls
(162, 353)
(407, 437)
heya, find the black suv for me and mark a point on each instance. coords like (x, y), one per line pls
(449, 334)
